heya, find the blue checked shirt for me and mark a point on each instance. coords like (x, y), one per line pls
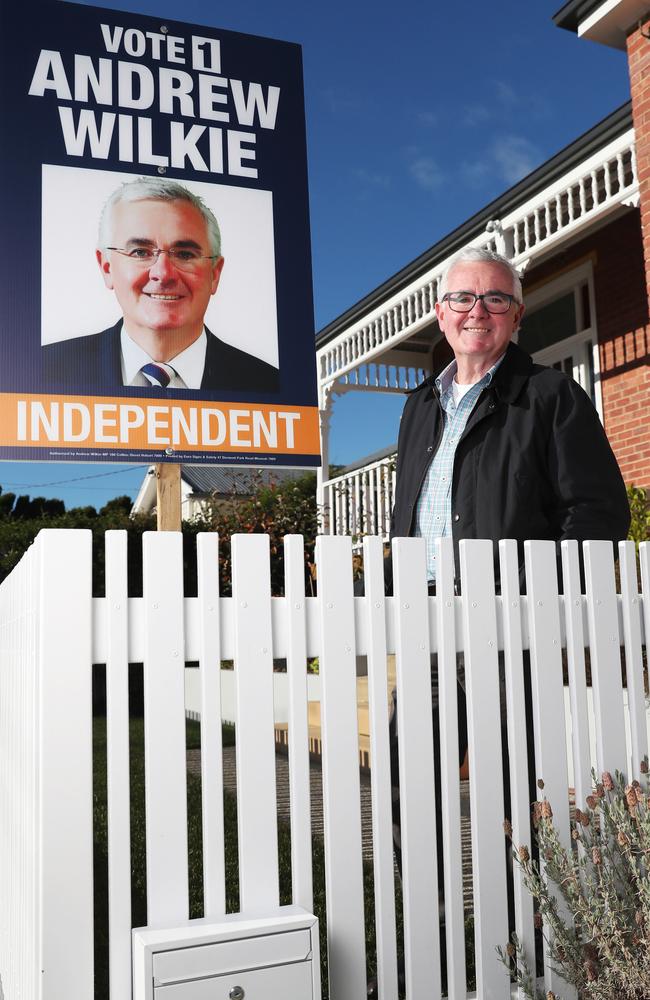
(433, 518)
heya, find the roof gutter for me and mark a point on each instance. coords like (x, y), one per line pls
(574, 12)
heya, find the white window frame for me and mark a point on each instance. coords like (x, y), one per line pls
(577, 345)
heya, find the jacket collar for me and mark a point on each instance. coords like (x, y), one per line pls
(513, 374)
(509, 378)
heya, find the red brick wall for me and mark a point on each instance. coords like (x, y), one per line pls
(623, 334)
(628, 354)
(638, 57)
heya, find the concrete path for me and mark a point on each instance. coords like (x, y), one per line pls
(282, 786)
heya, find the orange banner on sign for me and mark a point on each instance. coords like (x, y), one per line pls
(42, 421)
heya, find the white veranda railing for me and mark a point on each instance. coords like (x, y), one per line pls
(52, 630)
(360, 502)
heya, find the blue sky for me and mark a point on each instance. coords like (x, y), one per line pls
(417, 115)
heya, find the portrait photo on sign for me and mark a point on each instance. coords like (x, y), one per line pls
(155, 282)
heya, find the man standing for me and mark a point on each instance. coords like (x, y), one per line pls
(160, 253)
(495, 446)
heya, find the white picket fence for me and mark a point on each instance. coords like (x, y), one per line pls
(52, 630)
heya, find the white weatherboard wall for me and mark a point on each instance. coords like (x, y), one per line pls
(52, 630)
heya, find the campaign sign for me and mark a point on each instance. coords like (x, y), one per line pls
(156, 266)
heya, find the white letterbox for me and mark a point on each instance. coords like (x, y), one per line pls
(240, 957)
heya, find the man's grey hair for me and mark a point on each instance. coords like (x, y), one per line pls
(480, 255)
(157, 189)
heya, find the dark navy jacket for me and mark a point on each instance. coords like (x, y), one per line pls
(95, 363)
(533, 461)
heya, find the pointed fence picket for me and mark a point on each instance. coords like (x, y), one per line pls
(52, 630)
(294, 589)
(382, 820)
(446, 650)
(630, 604)
(164, 729)
(486, 762)
(341, 792)
(515, 684)
(551, 765)
(117, 764)
(576, 669)
(602, 609)
(214, 874)
(418, 792)
(256, 813)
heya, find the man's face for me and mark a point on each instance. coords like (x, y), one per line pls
(160, 297)
(478, 337)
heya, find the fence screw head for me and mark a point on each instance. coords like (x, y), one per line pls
(406, 607)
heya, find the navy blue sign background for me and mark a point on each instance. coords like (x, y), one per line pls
(31, 135)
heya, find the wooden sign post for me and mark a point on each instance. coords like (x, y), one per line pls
(168, 490)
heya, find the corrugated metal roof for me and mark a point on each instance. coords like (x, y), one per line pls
(376, 456)
(228, 481)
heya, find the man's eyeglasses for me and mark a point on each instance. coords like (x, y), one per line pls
(184, 258)
(464, 302)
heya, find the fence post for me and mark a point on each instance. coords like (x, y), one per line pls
(480, 642)
(118, 798)
(341, 796)
(256, 803)
(416, 770)
(164, 728)
(66, 754)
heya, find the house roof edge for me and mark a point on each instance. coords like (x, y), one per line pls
(571, 14)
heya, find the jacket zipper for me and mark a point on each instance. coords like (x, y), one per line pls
(434, 448)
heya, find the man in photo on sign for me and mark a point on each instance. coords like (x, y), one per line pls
(160, 253)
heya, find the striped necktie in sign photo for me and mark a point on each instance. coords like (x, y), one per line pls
(158, 374)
